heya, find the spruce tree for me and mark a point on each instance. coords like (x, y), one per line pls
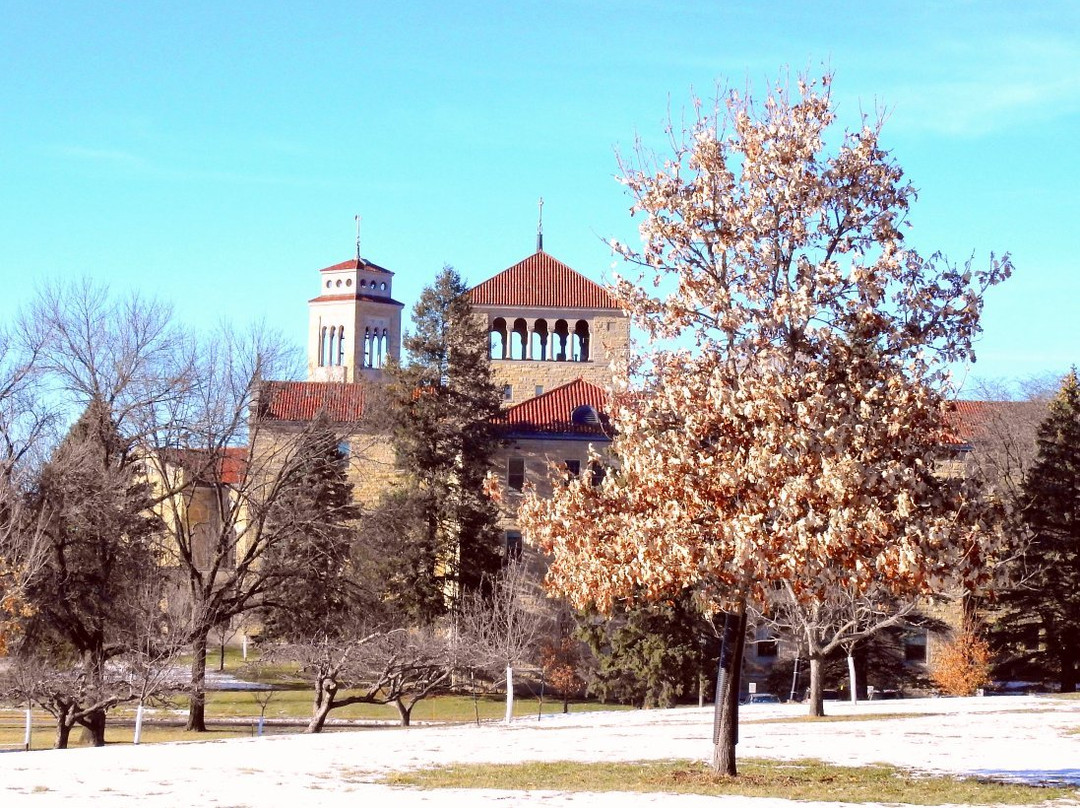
(1038, 629)
(314, 589)
(445, 537)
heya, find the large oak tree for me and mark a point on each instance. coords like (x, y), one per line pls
(795, 441)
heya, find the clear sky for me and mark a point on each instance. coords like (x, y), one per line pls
(214, 154)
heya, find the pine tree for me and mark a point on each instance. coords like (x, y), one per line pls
(1038, 628)
(314, 588)
(442, 403)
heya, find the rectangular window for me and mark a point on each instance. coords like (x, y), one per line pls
(514, 545)
(508, 392)
(768, 648)
(515, 473)
(597, 472)
(539, 390)
(915, 646)
(573, 468)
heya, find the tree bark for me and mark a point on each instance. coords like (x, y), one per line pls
(853, 680)
(95, 725)
(64, 723)
(325, 691)
(817, 673)
(197, 709)
(729, 683)
(404, 712)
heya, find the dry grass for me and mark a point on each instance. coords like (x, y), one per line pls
(796, 780)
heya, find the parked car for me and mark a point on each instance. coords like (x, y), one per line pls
(761, 698)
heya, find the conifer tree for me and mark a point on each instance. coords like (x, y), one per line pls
(1038, 629)
(90, 598)
(314, 586)
(444, 535)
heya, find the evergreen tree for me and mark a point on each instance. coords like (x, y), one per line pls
(314, 588)
(444, 536)
(1038, 629)
(650, 655)
(95, 592)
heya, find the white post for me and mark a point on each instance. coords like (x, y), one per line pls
(138, 723)
(243, 645)
(262, 720)
(851, 679)
(29, 724)
(509, 693)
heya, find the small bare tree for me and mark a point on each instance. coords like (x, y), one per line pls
(502, 629)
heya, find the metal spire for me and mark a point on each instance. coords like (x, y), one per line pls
(357, 217)
(540, 228)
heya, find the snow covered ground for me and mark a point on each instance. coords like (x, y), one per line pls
(1025, 738)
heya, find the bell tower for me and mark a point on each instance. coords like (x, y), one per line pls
(354, 325)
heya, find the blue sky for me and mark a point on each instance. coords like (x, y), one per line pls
(214, 154)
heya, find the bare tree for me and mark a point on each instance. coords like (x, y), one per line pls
(502, 629)
(398, 666)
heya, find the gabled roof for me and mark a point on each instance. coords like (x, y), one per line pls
(553, 412)
(541, 281)
(342, 402)
(357, 263)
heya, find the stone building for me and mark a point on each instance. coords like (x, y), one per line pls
(555, 340)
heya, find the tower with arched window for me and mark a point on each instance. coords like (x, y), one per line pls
(549, 325)
(354, 325)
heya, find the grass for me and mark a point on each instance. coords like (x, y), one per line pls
(797, 780)
(292, 705)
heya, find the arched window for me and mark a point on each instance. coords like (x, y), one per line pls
(581, 341)
(519, 339)
(367, 347)
(384, 344)
(333, 346)
(539, 344)
(323, 348)
(560, 341)
(341, 345)
(498, 338)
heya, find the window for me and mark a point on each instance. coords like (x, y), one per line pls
(585, 416)
(514, 545)
(508, 392)
(573, 468)
(597, 472)
(915, 646)
(515, 473)
(343, 449)
(767, 645)
(538, 390)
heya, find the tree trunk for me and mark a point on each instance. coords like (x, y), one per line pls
(509, 693)
(95, 725)
(728, 686)
(325, 691)
(565, 703)
(404, 712)
(817, 673)
(1067, 660)
(64, 723)
(197, 710)
(853, 680)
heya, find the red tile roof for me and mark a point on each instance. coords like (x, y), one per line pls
(226, 465)
(343, 402)
(552, 412)
(541, 281)
(355, 296)
(354, 263)
(972, 421)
